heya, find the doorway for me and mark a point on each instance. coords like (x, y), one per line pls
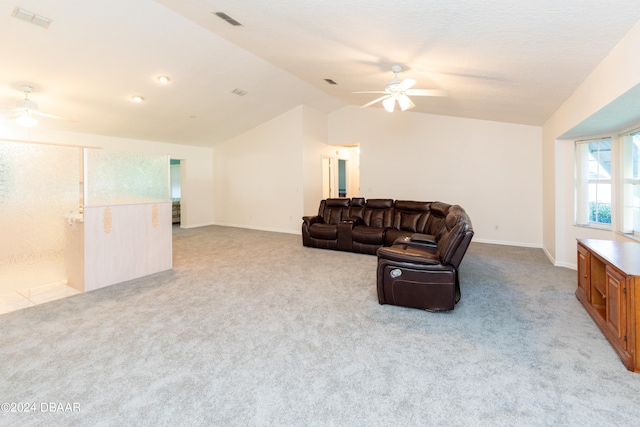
(342, 178)
(341, 173)
(175, 175)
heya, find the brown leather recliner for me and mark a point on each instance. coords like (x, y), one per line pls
(409, 218)
(321, 231)
(435, 225)
(368, 233)
(418, 275)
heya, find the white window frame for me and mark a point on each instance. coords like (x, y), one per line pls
(583, 181)
(630, 209)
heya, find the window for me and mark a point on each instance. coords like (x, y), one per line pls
(631, 183)
(593, 182)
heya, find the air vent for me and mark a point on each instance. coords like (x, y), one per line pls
(331, 82)
(26, 16)
(239, 92)
(227, 18)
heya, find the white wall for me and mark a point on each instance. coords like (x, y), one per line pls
(615, 76)
(314, 147)
(258, 176)
(197, 206)
(491, 169)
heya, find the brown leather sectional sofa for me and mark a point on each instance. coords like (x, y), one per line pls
(359, 225)
(420, 245)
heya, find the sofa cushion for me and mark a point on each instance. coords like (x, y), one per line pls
(379, 203)
(324, 231)
(376, 218)
(378, 213)
(409, 221)
(335, 210)
(449, 242)
(368, 235)
(356, 208)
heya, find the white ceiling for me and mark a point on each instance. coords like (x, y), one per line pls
(500, 60)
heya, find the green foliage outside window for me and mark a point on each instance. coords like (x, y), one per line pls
(599, 213)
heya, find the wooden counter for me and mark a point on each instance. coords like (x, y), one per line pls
(608, 282)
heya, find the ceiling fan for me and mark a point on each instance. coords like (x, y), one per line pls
(26, 109)
(399, 90)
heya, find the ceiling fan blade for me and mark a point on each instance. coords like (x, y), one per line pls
(51, 116)
(406, 84)
(405, 103)
(427, 92)
(15, 116)
(389, 104)
(375, 100)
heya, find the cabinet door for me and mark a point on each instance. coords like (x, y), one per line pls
(616, 304)
(584, 282)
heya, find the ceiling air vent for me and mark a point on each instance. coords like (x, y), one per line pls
(239, 92)
(227, 18)
(331, 82)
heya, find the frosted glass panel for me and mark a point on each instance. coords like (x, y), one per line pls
(175, 182)
(120, 177)
(38, 188)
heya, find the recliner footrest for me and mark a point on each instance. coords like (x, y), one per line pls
(411, 276)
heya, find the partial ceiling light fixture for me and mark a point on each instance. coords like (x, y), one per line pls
(403, 101)
(32, 18)
(163, 79)
(136, 98)
(227, 18)
(27, 120)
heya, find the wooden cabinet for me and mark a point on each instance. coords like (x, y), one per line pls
(583, 272)
(608, 278)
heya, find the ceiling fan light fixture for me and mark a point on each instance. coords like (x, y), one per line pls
(389, 104)
(27, 120)
(400, 90)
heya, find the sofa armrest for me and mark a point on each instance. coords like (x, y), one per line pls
(407, 253)
(308, 221)
(418, 240)
(427, 239)
(345, 239)
(354, 220)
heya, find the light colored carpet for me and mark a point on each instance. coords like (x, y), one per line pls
(253, 329)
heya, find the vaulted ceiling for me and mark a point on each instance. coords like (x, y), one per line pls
(499, 60)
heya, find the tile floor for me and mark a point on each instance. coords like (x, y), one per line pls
(18, 300)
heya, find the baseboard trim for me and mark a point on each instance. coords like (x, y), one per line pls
(251, 227)
(504, 243)
(205, 224)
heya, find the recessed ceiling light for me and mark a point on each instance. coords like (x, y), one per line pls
(136, 98)
(163, 79)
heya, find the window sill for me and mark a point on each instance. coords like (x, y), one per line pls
(629, 236)
(595, 226)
